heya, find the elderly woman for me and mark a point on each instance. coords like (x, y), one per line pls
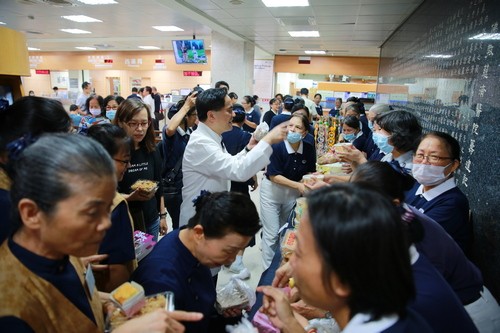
(436, 193)
(58, 216)
(336, 268)
(223, 225)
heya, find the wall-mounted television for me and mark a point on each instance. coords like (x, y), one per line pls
(189, 51)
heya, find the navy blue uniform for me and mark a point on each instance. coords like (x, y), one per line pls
(450, 209)
(292, 166)
(172, 267)
(268, 117)
(254, 117)
(118, 242)
(235, 141)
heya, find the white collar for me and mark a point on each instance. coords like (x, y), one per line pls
(404, 159)
(290, 150)
(414, 255)
(182, 132)
(360, 324)
(208, 131)
(286, 112)
(438, 190)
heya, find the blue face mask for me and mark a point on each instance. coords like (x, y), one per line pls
(370, 125)
(349, 137)
(382, 143)
(293, 137)
(110, 114)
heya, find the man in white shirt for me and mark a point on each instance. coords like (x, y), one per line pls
(304, 94)
(82, 98)
(206, 164)
(148, 99)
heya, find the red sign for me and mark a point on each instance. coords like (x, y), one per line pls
(192, 73)
(108, 61)
(159, 61)
(42, 71)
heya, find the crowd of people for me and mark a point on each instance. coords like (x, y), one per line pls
(385, 247)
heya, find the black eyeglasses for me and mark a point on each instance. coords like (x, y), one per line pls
(125, 162)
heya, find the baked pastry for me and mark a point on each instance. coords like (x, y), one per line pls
(144, 184)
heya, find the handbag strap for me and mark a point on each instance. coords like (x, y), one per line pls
(173, 173)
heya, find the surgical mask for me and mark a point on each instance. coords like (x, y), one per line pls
(370, 125)
(349, 137)
(293, 137)
(95, 112)
(382, 143)
(110, 114)
(429, 175)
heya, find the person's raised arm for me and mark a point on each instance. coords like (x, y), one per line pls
(179, 116)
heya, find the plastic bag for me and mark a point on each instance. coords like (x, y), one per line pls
(261, 131)
(243, 327)
(235, 294)
(323, 325)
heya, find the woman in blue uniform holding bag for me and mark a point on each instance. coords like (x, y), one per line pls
(290, 161)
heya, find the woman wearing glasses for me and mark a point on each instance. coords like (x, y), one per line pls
(436, 194)
(145, 163)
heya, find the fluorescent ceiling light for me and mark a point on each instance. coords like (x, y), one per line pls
(76, 31)
(486, 36)
(80, 18)
(441, 56)
(167, 28)
(315, 52)
(33, 49)
(286, 3)
(304, 33)
(85, 48)
(98, 2)
(2, 23)
(149, 47)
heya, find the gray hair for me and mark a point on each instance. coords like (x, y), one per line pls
(380, 108)
(43, 170)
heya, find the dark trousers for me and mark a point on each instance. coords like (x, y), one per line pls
(173, 203)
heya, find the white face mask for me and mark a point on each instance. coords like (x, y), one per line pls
(95, 112)
(429, 175)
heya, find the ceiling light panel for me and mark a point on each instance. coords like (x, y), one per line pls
(76, 31)
(85, 48)
(98, 2)
(167, 28)
(304, 33)
(286, 3)
(81, 18)
(149, 47)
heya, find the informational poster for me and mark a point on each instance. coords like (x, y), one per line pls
(263, 73)
(135, 82)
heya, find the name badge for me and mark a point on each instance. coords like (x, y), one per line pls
(89, 281)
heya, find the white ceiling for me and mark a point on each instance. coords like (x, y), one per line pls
(346, 27)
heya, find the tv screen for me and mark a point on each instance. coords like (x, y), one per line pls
(189, 51)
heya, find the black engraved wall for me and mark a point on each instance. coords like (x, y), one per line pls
(443, 64)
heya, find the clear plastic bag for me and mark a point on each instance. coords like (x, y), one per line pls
(236, 294)
(242, 327)
(261, 131)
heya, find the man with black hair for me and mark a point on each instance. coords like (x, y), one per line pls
(135, 94)
(206, 163)
(82, 98)
(304, 94)
(223, 85)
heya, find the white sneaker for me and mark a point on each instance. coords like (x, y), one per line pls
(244, 274)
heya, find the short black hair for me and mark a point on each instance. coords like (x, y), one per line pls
(218, 84)
(85, 85)
(404, 127)
(221, 213)
(318, 94)
(239, 114)
(304, 91)
(249, 99)
(366, 248)
(352, 121)
(288, 104)
(213, 99)
(301, 106)
(134, 89)
(233, 95)
(112, 137)
(450, 142)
